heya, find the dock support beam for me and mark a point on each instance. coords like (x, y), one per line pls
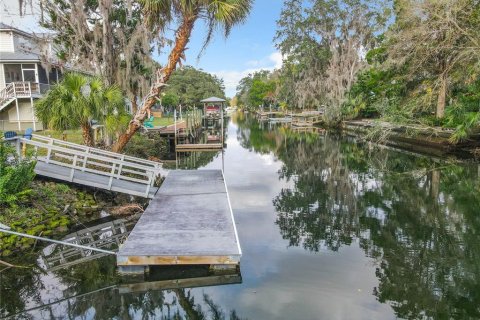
(133, 270)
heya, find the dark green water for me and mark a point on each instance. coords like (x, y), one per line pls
(330, 229)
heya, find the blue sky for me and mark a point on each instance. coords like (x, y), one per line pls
(249, 47)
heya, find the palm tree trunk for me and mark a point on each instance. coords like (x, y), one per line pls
(87, 134)
(181, 39)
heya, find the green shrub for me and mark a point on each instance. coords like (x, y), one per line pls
(16, 175)
(147, 147)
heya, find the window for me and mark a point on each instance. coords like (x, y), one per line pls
(29, 75)
(13, 72)
(52, 76)
(42, 75)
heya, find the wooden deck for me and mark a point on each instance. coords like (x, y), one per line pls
(190, 221)
(170, 129)
(198, 147)
(306, 119)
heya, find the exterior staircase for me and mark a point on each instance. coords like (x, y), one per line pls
(16, 90)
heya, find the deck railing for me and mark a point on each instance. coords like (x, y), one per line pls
(24, 89)
(97, 161)
(304, 119)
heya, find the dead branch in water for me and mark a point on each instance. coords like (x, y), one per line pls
(127, 209)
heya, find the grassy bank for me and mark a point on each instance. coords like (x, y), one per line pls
(161, 122)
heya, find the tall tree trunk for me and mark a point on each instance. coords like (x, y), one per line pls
(181, 39)
(134, 104)
(442, 96)
(107, 46)
(87, 134)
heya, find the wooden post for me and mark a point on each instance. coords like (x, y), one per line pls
(175, 128)
(24, 149)
(221, 130)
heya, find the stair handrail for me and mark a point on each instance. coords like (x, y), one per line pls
(8, 92)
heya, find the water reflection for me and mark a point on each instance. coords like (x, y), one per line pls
(417, 217)
(329, 228)
(82, 283)
(88, 292)
(104, 234)
(194, 160)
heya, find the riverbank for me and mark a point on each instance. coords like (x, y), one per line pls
(435, 141)
(52, 209)
(430, 140)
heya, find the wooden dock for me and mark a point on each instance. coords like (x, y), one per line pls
(268, 114)
(181, 128)
(189, 222)
(306, 119)
(198, 147)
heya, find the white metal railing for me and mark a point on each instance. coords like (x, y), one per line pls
(97, 161)
(23, 89)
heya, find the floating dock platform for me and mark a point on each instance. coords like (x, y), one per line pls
(188, 222)
(198, 147)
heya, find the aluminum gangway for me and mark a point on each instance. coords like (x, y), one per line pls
(90, 166)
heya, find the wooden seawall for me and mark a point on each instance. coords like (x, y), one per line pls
(190, 221)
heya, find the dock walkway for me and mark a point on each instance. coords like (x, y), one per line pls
(92, 167)
(190, 221)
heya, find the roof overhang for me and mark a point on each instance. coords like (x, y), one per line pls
(213, 99)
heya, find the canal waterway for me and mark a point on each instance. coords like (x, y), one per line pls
(330, 228)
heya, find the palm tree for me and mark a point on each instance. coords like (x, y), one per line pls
(218, 14)
(75, 101)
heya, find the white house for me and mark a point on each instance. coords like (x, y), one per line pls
(22, 76)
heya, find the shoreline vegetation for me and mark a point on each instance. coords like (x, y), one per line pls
(403, 73)
(387, 66)
(40, 207)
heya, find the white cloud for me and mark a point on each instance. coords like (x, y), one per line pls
(276, 58)
(232, 77)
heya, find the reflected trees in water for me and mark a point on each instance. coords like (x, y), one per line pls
(417, 217)
(93, 290)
